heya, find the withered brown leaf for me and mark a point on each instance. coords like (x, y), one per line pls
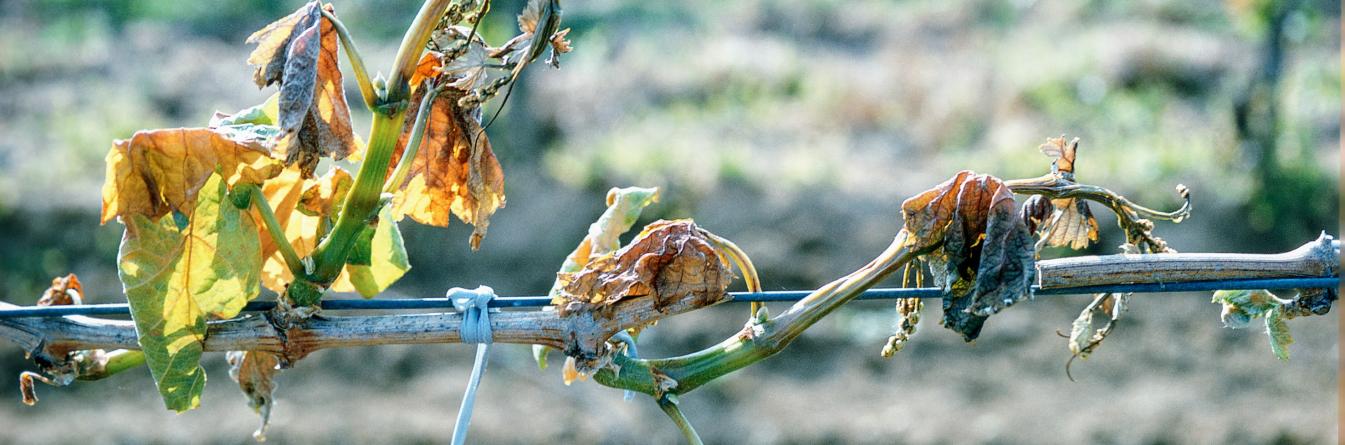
(454, 170)
(668, 261)
(300, 52)
(255, 372)
(64, 291)
(977, 246)
(159, 171)
(1072, 224)
(1063, 152)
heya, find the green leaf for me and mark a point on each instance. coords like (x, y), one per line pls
(1278, 331)
(1241, 306)
(176, 277)
(386, 258)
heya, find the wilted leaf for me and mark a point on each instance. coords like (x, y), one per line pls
(979, 249)
(1063, 152)
(282, 193)
(64, 291)
(326, 196)
(1240, 307)
(159, 171)
(1072, 224)
(255, 372)
(386, 260)
(668, 261)
(305, 209)
(299, 52)
(176, 277)
(624, 206)
(454, 170)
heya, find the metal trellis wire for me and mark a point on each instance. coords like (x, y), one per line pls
(771, 296)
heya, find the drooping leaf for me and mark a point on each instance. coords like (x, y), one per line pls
(1240, 307)
(255, 372)
(977, 247)
(300, 52)
(386, 260)
(273, 44)
(1072, 224)
(156, 172)
(175, 278)
(668, 261)
(454, 170)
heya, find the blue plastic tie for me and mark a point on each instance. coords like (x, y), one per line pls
(475, 308)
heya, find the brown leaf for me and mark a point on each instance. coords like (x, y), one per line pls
(454, 170)
(273, 43)
(978, 247)
(314, 115)
(1072, 224)
(427, 68)
(158, 171)
(64, 291)
(668, 261)
(1063, 152)
(255, 373)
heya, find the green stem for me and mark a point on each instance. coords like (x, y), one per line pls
(277, 234)
(679, 375)
(356, 61)
(413, 45)
(363, 199)
(668, 404)
(115, 362)
(413, 144)
(388, 122)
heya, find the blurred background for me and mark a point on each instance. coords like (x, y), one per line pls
(794, 128)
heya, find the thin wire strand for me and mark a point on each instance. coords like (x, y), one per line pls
(871, 294)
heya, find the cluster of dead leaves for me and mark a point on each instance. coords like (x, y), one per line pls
(299, 53)
(668, 261)
(977, 246)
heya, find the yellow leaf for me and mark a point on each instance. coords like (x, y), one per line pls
(176, 276)
(159, 171)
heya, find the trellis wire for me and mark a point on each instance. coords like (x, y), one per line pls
(771, 296)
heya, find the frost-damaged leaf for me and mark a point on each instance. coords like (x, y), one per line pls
(64, 291)
(1063, 152)
(668, 261)
(454, 170)
(624, 206)
(299, 52)
(978, 247)
(1072, 224)
(159, 171)
(305, 209)
(1240, 307)
(176, 277)
(384, 263)
(255, 372)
